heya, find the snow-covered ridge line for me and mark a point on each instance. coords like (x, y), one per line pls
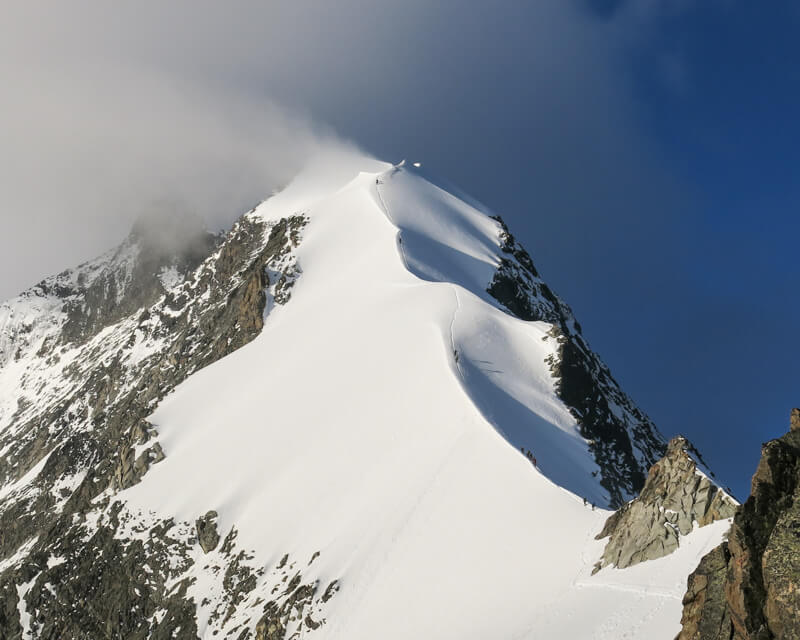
(368, 432)
(443, 239)
(703, 470)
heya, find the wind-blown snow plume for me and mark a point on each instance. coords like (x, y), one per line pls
(96, 135)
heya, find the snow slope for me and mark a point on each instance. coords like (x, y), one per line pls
(377, 420)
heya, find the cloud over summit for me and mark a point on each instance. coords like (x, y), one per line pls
(102, 123)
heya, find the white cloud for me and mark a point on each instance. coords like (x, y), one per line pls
(108, 108)
(94, 133)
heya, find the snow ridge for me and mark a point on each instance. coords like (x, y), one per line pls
(359, 440)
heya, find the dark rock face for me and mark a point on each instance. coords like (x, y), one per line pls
(120, 333)
(781, 571)
(761, 572)
(674, 497)
(623, 440)
(116, 584)
(704, 611)
(129, 468)
(207, 534)
(133, 278)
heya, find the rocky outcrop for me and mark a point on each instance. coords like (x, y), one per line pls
(705, 614)
(623, 440)
(101, 345)
(675, 496)
(130, 468)
(121, 575)
(87, 581)
(133, 276)
(207, 534)
(294, 609)
(757, 570)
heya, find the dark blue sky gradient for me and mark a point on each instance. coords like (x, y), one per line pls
(730, 134)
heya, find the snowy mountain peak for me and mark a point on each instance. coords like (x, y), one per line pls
(364, 393)
(452, 240)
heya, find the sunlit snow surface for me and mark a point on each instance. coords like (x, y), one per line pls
(377, 419)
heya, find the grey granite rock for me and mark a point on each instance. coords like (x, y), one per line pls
(675, 496)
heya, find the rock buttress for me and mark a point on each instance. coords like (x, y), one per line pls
(761, 572)
(674, 497)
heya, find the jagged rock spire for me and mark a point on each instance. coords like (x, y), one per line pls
(675, 496)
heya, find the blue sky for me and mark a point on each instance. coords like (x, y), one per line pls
(644, 151)
(729, 133)
(667, 173)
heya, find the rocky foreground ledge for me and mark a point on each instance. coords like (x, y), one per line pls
(748, 588)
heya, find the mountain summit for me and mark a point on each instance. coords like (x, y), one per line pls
(361, 413)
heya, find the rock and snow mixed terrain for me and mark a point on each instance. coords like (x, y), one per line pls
(311, 427)
(677, 496)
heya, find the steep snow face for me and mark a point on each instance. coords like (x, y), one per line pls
(501, 360)
(377, 419)
(444, 239)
